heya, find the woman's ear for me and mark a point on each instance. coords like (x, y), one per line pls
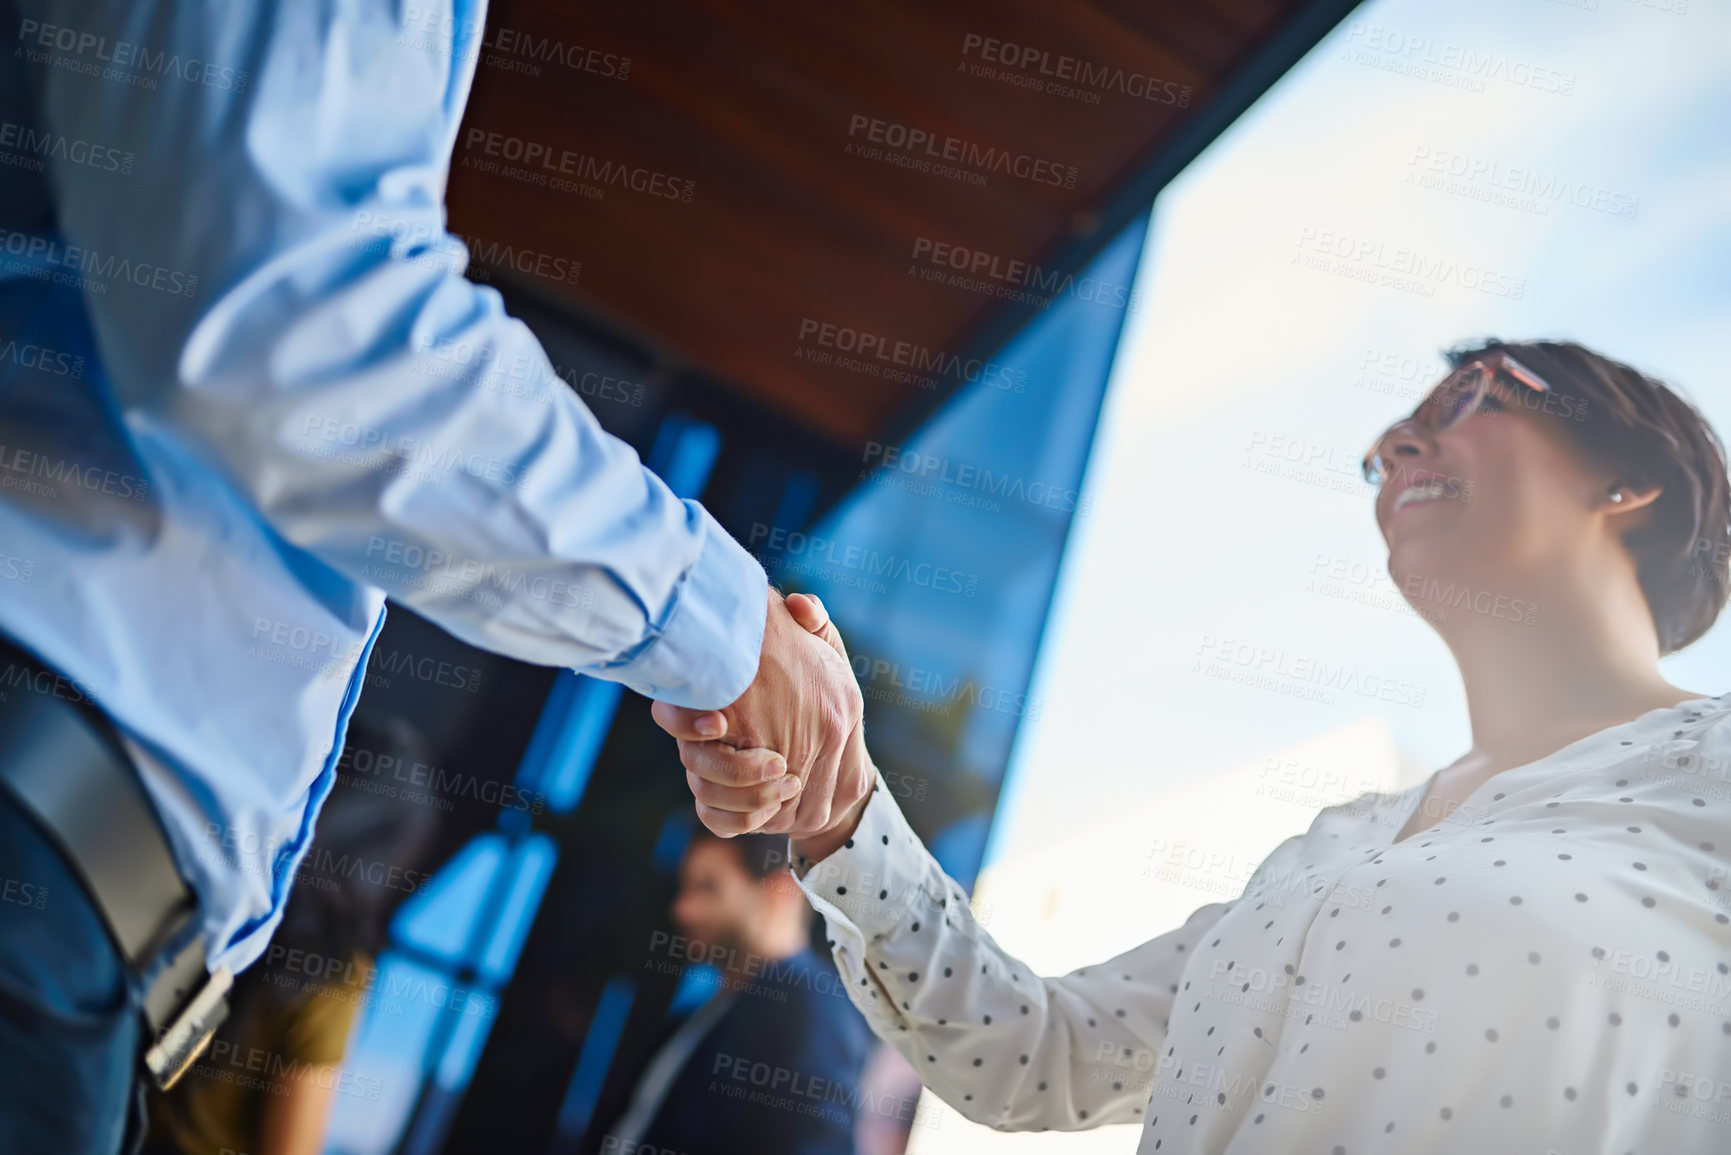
(1621, 498)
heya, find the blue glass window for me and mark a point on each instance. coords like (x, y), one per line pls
(939, 567)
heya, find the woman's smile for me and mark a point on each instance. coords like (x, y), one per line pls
(1423, 487)
(1434, 489)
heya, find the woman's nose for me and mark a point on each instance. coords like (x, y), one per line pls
(1404, 445)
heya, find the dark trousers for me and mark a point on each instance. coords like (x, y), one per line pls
(70, 1022)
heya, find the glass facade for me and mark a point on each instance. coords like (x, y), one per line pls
(938, 565)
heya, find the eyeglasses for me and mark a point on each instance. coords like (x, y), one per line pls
(1474, 387)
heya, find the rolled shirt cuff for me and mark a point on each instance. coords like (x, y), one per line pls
(707, 651)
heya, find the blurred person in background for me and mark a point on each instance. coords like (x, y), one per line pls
(268, 1082)
(772, 1062)
(891, 1087)
(1528, 951)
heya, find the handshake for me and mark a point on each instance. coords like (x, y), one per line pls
(789, 756)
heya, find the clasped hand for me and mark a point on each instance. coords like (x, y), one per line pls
(788, 757)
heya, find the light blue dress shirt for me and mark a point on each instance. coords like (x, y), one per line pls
(246, 393)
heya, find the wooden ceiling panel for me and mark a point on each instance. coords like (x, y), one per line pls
(760, 105)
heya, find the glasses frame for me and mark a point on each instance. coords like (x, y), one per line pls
(1488, 366)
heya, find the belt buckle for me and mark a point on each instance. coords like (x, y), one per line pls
(184, 1039)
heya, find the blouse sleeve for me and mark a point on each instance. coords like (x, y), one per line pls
(1000, 1044)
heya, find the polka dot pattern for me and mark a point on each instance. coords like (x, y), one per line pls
(1547, 964)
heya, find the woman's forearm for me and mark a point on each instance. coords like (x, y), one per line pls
(996, 1041)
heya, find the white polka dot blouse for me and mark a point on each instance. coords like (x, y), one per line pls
(1545, 970)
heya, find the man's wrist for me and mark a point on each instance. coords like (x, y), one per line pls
(709, 647)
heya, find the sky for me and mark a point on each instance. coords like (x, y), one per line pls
(1558, 171)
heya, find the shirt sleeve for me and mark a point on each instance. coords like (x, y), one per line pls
(273, 290)
(1000, 1044)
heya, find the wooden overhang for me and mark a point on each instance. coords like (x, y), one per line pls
(833, 208)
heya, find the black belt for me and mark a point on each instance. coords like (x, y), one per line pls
(62, 760)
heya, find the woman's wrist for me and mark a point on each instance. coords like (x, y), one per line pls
(826, 842)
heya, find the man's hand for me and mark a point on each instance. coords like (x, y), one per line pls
(790, 732)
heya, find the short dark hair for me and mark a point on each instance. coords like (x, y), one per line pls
(1640, 429)
(761, 854)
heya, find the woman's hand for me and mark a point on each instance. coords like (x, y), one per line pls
(809, 612)
(746, 790)
(797, 715)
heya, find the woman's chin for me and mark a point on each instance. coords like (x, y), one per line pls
(1417, 573)
(1414, 561)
